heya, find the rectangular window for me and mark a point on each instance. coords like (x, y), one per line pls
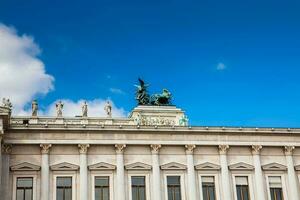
(275, 188)
(102, 188)
(208, 187)
(242, 188)
(138, 188)
(64, 188)
(24, 188)
(174, 190)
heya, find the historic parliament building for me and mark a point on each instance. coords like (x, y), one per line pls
(151, 155)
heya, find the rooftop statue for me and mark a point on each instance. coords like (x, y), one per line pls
(6, 103)
(84, 109)
(143, 98)
(34, 107)
(141, 94)
(161, 99)
(108, 109)
(59, 107)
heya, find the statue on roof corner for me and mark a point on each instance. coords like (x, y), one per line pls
(143, 98)
(6, 103)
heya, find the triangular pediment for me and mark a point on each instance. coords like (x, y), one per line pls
(207, 166)
(274, 167)
(173, 166)
(241, 166)
(102, 166)
(25, 166)
(64, 167)
(138, 166)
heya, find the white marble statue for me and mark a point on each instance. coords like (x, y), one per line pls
(59, 107)
(6, 103)
(108, 109)
(84, 110)
(34, 107)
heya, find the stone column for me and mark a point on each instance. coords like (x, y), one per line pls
(191, 171)
(120, 172)
(45, 176)
(259, 177)
(83, 185)
(226, 183)
(156, 187)
(6, 150)
(292, 177)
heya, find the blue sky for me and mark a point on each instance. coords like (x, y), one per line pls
(227, 63)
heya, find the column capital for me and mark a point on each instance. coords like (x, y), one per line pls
(6, 148)
(83, 148)
(45, 148)
(223, 149)
(189, 148)
(155, 148)
(120, 148)
(288, 150)
(256, 149)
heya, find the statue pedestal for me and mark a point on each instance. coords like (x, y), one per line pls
(157, 115)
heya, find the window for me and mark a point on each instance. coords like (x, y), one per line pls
(138, 188)
(208, 187)
(24, 188)
(101, 188)
(242, 188)
(275, 188)
(64, 188)
(173, 183)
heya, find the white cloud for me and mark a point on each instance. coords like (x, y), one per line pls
(22, 73)
(23, 77)
(116, 91)
(95, 108)
(221, 66)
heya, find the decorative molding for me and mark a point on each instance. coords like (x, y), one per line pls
(189, 148)
(256, 149)
(274, 167)
(288, 150)
(45, 148)
(64, 167)
(25, 166)
(241, 166)
(208, 166)
(223, 149)
(138, 166)
(173, 166)
(297, 167)
(155, 148)
(101, 166)
(6, 148)
(120, 148)
(83, 148)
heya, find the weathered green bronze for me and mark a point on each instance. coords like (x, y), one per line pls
(143, 98)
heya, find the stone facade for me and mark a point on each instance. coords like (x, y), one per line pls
(150, 144)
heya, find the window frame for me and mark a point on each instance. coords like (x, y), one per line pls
(147, 182)
(65, 174)
(182, 183)
(28, 174)
(217, 183)
(283, 184)
(94, 174)
(250, 179)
